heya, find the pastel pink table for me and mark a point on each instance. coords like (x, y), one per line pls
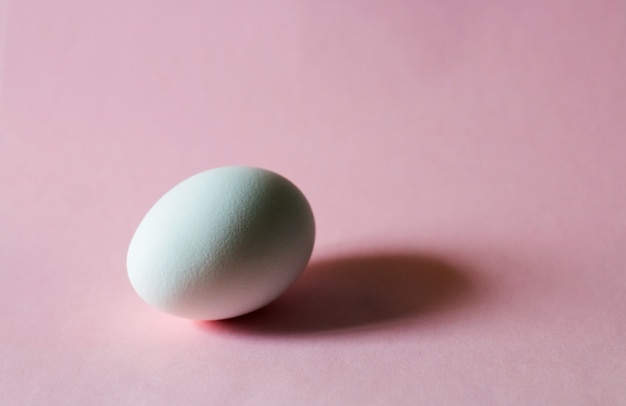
(466, 162)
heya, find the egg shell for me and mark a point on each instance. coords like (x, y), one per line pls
(221, 243)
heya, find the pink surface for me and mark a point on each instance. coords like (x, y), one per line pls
(466, 162)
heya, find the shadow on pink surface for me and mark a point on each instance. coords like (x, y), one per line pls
(360, 292)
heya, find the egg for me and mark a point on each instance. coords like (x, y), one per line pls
(221, 243)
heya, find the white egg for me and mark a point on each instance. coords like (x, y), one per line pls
(221, 243)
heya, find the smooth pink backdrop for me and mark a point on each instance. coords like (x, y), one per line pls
(485, 140)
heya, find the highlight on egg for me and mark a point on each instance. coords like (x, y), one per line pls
(221, 243)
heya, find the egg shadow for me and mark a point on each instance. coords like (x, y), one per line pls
(359, 292)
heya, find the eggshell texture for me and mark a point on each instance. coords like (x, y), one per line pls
(221, 243)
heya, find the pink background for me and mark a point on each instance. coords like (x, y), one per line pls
(466, 162)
